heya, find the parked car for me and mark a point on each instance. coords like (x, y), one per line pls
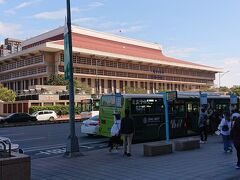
(18, 117)
(90, 126)
(45, 115)
(7, 141)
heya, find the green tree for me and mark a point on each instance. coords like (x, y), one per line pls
(58, 80)
(6, 95)
(235, 90)
(130, 90)
(224, 89)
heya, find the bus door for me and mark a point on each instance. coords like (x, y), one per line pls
(148, 115)
(177, 118)
(192, 108)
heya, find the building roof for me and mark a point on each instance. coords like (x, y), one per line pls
(100, 43)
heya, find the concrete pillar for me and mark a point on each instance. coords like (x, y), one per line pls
(112, 86)
(148, 87)
(154, 89)
(93, 87)
(157, 87)
(105, 86)
(100, 86)
(117, 86)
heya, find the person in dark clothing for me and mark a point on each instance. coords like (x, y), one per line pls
(203, 125)
(59, 113)
(127, 129)
(235, 136)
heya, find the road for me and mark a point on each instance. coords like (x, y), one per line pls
(48, 140)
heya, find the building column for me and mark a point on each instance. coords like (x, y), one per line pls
(118, 86)
(105, 86)
(112, 82)
(100, 86)
(148, 88)
(93, 87)
(157, 87)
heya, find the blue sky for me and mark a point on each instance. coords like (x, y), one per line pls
(205, 31)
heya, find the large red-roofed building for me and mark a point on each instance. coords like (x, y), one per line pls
(106, 62)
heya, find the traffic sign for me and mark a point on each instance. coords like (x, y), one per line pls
(171, 96)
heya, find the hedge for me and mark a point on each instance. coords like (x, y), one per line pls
(63, 109)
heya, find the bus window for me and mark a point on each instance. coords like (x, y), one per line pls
(189, 107)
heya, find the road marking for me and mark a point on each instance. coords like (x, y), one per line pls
(52, 151)
(88, 147)
(35, 148)
(30, 139)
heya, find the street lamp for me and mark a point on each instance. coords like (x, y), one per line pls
(220, 76)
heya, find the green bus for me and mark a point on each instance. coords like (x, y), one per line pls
(147, 111)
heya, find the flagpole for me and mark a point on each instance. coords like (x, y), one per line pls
(72, 141)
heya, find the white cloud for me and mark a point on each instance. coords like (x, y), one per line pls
(9, 30)
(180, 52)
(231, 75)
(96, 4)
(84, 20)
(53, 15)
(2, 1)
(20, 6)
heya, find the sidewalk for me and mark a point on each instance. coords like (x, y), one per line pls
(208, 162)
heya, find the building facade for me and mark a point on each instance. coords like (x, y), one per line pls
(107, 63)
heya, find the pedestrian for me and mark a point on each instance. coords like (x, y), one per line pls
(115, 139)
(225, 128)
(127, 129)
(202, 123)
(59, 113)
(210, 120)
(235, 136)
(235, 114)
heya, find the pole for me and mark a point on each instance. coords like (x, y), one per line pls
(166, 116)
(72, 141)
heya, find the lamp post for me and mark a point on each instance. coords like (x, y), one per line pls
(220, 76)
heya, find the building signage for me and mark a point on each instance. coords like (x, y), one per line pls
(171, 96)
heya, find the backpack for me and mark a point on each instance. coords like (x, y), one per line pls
(225, 127)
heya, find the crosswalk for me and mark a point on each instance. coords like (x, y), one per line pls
(49, 151)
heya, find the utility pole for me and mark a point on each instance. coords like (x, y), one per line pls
(220, 76)
(72, 149)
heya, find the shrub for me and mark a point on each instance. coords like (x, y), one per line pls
(63, 109)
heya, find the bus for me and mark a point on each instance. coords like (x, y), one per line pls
(147, 111)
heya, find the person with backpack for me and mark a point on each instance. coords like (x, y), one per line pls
(235, 136)
(225, 128)
(115, 140)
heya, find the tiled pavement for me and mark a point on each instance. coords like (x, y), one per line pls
(208, 162)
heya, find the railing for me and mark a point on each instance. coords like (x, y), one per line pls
(4, 153)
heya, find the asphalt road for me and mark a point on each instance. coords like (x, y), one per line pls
(48, 140)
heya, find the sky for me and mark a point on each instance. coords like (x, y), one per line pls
(205, 32)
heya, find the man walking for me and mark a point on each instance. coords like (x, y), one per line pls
(127, 128)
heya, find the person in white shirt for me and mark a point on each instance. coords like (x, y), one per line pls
(225, 128)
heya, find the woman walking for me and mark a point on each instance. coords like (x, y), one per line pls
(225, 128)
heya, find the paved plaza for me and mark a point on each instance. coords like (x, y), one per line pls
(208, 162)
